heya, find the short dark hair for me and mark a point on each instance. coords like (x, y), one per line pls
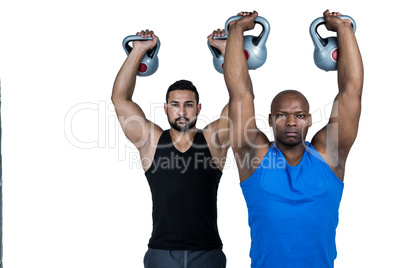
(183, 85)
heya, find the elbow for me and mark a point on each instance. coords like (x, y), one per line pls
(351, 83)
(114, 98)
(115, 93)
(241, 92)
(238, 84)
(119, 95)
(353, 88)
(241, 96)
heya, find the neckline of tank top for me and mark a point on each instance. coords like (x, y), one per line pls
(286, 161)
(191, 146)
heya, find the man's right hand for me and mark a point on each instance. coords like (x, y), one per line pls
(145, 45)
(246, 23)
(333, 21)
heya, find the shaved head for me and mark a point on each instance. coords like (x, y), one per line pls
(288, 94)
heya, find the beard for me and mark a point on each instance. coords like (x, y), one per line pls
(188, 125)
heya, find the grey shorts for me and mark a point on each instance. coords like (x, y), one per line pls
(158, 258)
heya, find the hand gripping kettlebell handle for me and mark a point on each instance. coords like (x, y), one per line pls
(317, 39)
(259, 20)
(254, 44)
(262, 38)
(151, 52)
(214, 50)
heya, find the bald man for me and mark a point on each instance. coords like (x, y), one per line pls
(293, 188)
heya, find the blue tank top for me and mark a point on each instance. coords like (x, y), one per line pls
(293, 211)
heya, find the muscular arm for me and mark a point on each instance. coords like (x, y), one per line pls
(217, 133)
(335, 140)
(132, 119)
(245, 134)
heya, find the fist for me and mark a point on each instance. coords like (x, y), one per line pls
(147, 44)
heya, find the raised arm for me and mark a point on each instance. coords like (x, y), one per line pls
(246, 137)
(335, 140)
(132, 119)
(217, 132)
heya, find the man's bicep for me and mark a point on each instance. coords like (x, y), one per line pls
(219, 130)
(337, 137)
(345, 118)
(134, 123)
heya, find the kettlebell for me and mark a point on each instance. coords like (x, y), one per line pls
(149, 63)
(254, 46)
(326, 49)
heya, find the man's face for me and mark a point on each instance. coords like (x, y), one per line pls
(290, 119)
(182, 110)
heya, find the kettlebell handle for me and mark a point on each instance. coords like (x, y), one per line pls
(262, 38)
(317, 39)
(151, 52)
(257, 39)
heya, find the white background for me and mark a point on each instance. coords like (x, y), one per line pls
(74, 192)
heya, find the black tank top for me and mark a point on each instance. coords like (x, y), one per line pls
(184, 193)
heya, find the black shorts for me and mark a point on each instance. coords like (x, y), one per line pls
(158, 258)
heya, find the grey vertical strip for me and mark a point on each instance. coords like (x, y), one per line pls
(185, 259)
(1, 195)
